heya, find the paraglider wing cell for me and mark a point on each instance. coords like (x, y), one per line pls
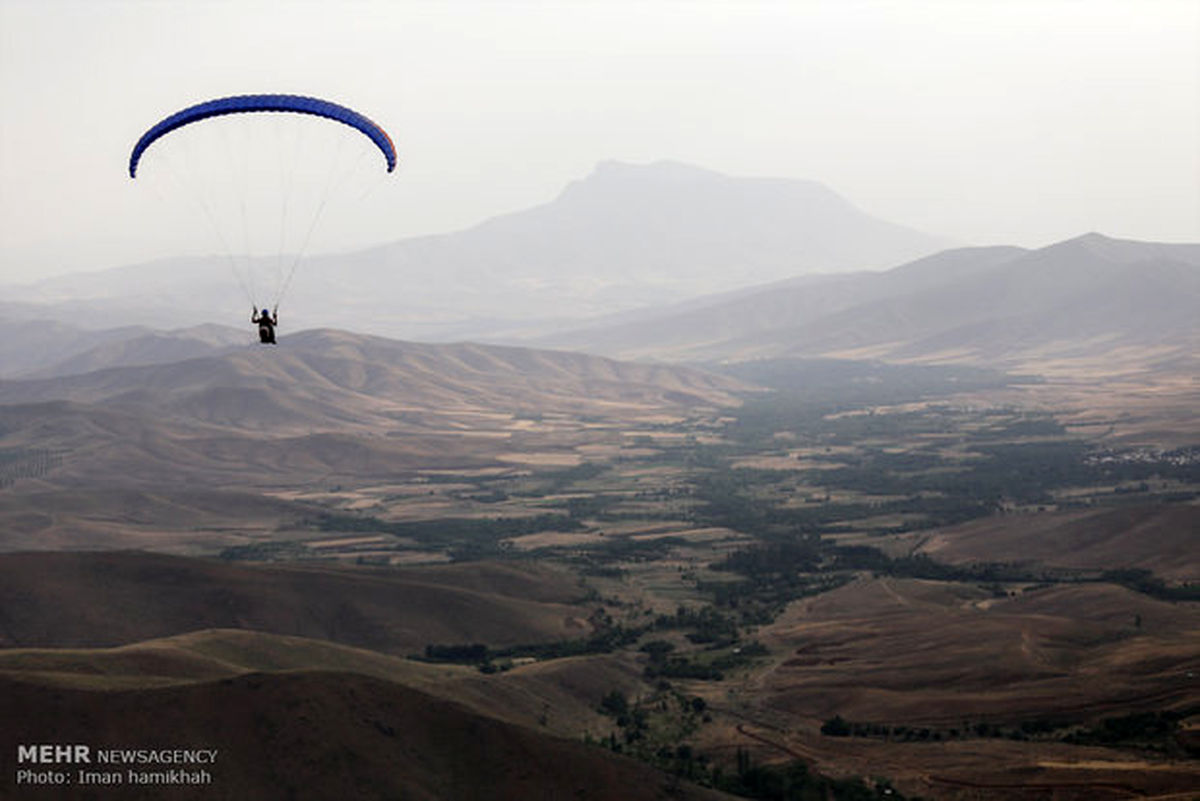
(240, 104)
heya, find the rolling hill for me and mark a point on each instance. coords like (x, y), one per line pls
(1084, 299)
(146, 348)
(33, 347)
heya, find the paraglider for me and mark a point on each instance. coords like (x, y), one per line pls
(266, 323)
(283, 215)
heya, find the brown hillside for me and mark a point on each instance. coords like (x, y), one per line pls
(179, 519)
(1162, 539)
(323, 736)
(948, 658)
(905, 651)
(122, 445)
(113, 598)
(527, 580)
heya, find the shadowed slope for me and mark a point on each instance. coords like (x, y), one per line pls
(327, 735)
(113, 598)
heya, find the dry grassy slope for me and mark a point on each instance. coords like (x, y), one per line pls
(323, 379)
(183, 659)
(929, 653)
(112, 598)
(177, 519)
(1162, 539)
(531, 581)
(326, 735)
(214, 654)
(125, 445)
(560, 695)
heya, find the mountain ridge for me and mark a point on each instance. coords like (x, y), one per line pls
(965, 305)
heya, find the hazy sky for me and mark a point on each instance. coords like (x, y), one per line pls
(988, 122)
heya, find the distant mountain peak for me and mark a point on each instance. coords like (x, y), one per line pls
(1093, 241)
(1122, 251)
(611, 179)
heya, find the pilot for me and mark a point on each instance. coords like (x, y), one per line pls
(266, 325)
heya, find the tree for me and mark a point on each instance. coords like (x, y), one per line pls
(836, 727)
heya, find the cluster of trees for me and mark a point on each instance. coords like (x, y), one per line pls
(627, 549)
(1145, 582)
(864, 557)
(654, 725)
(490, 659)
(837, 726)
(655, 729)
(640, 728)
(1153, 731)
(734, 498)
(561, 479)
(16, 463)
(808, 389)
(779, 572)
(267, 552)
(1023, 472)
(705, 625)
(776, 573)
(1150, 730)
(467, 538)
(710, 665)
(794, 781)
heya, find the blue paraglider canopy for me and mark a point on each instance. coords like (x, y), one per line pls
(241, 104)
